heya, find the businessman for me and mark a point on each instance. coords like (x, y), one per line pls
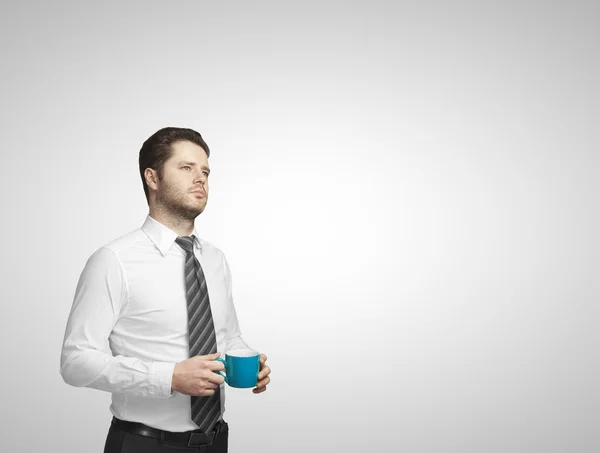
(160, 298)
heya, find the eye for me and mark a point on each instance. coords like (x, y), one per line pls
(205, 173)
(186, 167)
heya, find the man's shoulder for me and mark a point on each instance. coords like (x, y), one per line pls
(211, 248)
(126, 242)
(207, 245)
(110, 256)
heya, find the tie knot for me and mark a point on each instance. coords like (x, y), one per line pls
(186, 243)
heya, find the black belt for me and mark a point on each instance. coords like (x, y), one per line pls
(190, 438)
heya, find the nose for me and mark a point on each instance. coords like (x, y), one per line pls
(200, 178)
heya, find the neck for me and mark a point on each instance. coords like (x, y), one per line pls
(180, 225)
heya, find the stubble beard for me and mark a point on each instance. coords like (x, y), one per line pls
(178, 205)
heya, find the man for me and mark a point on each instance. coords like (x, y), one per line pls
(161, 297)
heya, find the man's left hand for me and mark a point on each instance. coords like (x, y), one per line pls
(263, 376)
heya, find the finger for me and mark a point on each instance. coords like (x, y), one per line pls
(259, 390)
(212, 356)
(264, 373)
(216, 378)
(263, 358)
(215, 365)
(263, 382)
(207, 392)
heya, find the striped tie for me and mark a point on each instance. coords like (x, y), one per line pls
(205, 410)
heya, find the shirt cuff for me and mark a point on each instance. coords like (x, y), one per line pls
(160, 383)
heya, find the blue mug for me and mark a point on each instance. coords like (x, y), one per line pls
(241, 368)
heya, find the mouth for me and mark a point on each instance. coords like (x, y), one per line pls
(199, 193)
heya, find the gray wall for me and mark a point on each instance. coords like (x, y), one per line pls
(407, 196)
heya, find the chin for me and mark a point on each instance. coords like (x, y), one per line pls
(189, 212)
(198, 210)
(195, 212)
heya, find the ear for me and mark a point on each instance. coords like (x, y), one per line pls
(151, 177)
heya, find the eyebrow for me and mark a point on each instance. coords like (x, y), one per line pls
(193, 164)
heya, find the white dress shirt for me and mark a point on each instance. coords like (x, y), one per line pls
(132, 294)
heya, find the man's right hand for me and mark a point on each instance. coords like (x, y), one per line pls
(196, 376)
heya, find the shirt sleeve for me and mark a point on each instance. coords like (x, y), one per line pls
(234, 334)
(85, 360)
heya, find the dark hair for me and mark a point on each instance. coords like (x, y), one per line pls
(157, 149)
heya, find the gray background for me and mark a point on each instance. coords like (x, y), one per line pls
(407, 196)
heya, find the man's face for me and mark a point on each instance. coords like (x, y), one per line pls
(183, 187)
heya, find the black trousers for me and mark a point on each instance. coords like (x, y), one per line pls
(120, 441)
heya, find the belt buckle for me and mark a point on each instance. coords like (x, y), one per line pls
(201, 439)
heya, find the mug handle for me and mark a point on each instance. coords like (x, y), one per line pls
(219, 359)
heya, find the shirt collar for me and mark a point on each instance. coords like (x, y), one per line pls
(163, 237)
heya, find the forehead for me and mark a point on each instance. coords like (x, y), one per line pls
(189, 152)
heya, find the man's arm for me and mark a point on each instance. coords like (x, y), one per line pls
(101, 293)
(234, 335)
